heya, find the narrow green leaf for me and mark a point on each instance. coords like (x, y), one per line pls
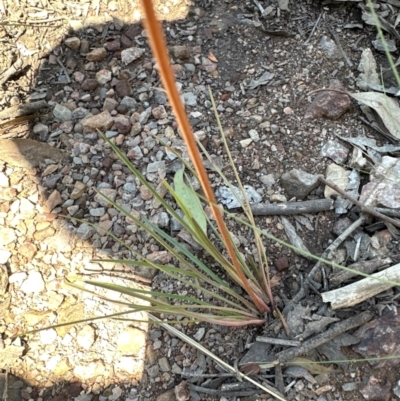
(189, 197)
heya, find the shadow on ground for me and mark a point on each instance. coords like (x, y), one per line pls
(50, 161)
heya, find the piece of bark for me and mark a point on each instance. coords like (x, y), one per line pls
(16, 67)
(359, 291)
(291, 208)
(278, 341)
(367, 267)
(332, 332)
(23, 109)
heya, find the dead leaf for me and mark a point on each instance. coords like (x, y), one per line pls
(212, 57)
(250, 369)
(386, 107)
(275, 280)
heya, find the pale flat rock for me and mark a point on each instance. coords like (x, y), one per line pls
(47, 337)
(338, 176)
(86, 337)
(7, 235)
(4, 256)
(130, 365)
(90, 371)
(33, 284)
(130, 341)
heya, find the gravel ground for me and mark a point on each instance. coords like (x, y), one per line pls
(91, 67)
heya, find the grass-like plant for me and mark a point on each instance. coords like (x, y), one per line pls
(226, 306)
(209, 296)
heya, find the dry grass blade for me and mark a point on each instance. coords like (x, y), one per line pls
(226, 366)
(159, 47)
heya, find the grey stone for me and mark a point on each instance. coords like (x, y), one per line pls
(41, 130)
(200, 334)
(80, 113)
(190, 67)
(349, 386)
(130, 188)
(164, 365)
(160, 219)
(190, 99)
(144, 116)
(268, 180)
(129, 102)
(378, 44)
(84, 397)
(160, 97)
(175, 224)
(131, 54)
(153, 371)
(227, 197)
(62, 113)
(396, 389)
(258, 352)
(111, 134)
(84, 231)
(97, 212)
(109, 192)
(156, 166)
(298, 183)
(335, 151)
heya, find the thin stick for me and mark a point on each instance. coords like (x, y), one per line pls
(327, 90)
(16, 67)
(387, 211)
(64, 69)
(220, 393)
(5, 392)
(363, 208)
(172, 330)
(332, 32)
(315, 27)
(278, 341)
(291, 208)
(326, 336)
(335, 244)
